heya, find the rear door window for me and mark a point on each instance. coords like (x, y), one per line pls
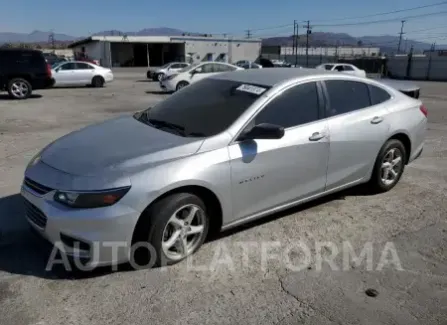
(83, 66)
(378, 95)
(27, 58)
(347, 96)
(68, 66)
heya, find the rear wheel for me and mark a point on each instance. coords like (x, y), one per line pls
(19, 88)
(181, 84)
(98, 82)
(389, 166)
(175, 227)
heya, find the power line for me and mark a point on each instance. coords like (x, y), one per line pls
(388, 12)
(384, 20)
(248, 33)
(361, 17)
(426, 29)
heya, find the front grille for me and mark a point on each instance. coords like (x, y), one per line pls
(36, 187)
(34, 214)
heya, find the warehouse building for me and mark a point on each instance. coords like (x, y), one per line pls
(143, 51)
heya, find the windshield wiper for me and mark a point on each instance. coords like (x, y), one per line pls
(159, 123)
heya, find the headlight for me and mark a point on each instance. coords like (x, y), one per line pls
(94, 199)
(35, 159)
(170, 77)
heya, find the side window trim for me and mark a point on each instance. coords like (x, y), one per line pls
(322, 101)
(272, 97)
(328, 100)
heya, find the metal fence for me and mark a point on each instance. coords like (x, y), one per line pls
(370, 65)
(418, 67)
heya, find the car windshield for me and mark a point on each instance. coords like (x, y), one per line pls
(165, 65)
(189, 113)
(56, 64)
(328, 66)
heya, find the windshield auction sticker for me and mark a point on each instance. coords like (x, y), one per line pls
(251, 89)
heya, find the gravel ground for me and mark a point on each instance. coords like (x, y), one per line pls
(404, 230)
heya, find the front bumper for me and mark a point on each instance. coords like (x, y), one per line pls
(166, 85)
(103, 236)
(108, 77)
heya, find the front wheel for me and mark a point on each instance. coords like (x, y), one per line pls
(160, 76)
(181, 84)
(175, 227)
(19, 88)
(389, 166)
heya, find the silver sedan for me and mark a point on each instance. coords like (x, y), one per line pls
(260, 141)
(79, 73)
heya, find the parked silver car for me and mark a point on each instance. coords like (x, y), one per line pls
(260, 141)
(158, 73)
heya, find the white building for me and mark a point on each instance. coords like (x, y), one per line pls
(142, 51)
(346, 51)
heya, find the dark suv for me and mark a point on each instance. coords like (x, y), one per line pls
(22, 71)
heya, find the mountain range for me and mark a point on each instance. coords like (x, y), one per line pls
(316, 39)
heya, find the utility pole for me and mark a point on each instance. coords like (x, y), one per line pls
(308, 32)
(297, 37)
(400, 35)
(409, 63)
(248, 33)
(52, 41)
(432, 50)
(294, 38)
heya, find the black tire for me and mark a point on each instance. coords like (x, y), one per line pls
(98, 82)
(376, 183)
(160, 76)
(181, 84)
(151, 227)
(148, 75)
(19, 88)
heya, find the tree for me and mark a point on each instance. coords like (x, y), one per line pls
(359, 43)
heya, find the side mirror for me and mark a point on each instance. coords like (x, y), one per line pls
(263, 131)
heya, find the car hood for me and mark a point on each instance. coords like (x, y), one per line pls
(116, 145)
(154, 69)
(401, 85)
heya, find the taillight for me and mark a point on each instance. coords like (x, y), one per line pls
(424, 110)
(48, 70)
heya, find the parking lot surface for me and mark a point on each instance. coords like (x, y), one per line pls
(405, 230)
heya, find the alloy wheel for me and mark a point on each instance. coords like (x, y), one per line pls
(19, 89)
(184, 231)
(391, 167)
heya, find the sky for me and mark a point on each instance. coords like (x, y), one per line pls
(82, 17)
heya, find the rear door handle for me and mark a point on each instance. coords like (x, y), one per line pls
(316, 136)
(376, 120)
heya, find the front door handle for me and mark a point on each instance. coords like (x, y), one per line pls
(376, 120)
(316, 136)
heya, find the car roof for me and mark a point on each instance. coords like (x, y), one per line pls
(271, 76)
